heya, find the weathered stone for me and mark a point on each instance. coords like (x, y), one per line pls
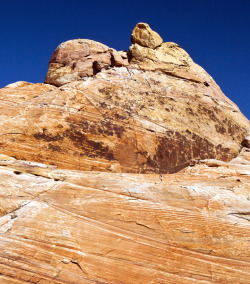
(66, 226)
(99, 66)
(123, 54)
(151, 110)
(123, 120)
(117, 60)
(75, 59)
(144, 36)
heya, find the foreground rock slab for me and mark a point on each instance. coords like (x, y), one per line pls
(61, 226)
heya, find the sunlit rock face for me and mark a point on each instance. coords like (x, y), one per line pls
(62, 226)
(145, 36)
(78, 58)
(151, 109)
(123, 167)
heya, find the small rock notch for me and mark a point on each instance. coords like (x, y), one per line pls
(246, 142)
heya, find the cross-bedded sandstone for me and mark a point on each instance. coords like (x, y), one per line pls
(86, 194)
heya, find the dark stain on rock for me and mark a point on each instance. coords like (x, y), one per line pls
(234, 129)
(208, 112)
(89, 147)
(48, 137)
(220, 129)
(175, 152)
(54, 148)
(119, 116)
(105, 128)
(189, 110)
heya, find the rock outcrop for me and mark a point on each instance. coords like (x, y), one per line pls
(80, 58)
(86, 194)
(146, 110)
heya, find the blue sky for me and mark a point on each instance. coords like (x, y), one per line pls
(216, 34)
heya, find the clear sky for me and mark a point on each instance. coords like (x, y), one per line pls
(216, 34)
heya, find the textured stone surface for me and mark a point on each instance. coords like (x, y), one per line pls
(80, 58)
(115, 123)
(145, 110)
(143, 35)
(61, 226)
(121, 120)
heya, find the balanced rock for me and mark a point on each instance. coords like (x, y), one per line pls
(144, 36)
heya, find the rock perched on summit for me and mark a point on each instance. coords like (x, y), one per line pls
(144, 36)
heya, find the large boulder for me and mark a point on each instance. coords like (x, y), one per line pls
(80, 58)
(143, 35)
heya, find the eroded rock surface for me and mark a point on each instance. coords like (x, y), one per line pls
(84, 192)
(78, 58)
(148, 110)
(120, 120)
(61, 226)
(246, 142)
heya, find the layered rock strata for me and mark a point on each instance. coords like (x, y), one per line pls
(75, 203)
(61, 226)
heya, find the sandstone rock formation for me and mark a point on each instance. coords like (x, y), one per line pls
(144, 36)
(61, 226)
(86, 194)
(154, 114)
(80, 58)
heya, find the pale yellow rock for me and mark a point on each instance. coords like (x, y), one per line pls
(123, 54)
(159, 56)
(173, 50)
(143, 35)
(17, 84)
(5, 157)
(59, 74)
